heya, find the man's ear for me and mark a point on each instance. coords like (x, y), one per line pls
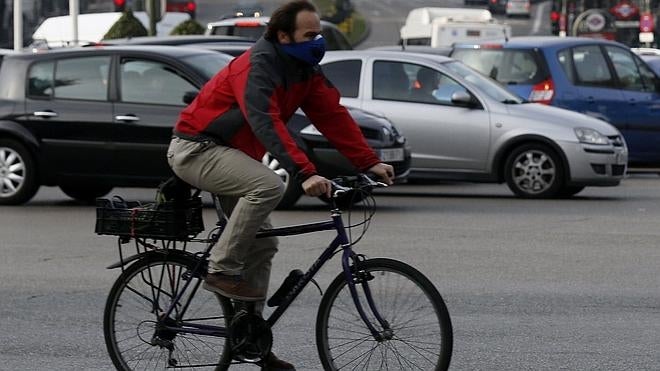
(283, 37)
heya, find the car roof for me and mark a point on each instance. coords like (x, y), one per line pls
(176, 40)
(261, 20)
(390, 54)
(541, 42)
(426, 49)
(172, 51)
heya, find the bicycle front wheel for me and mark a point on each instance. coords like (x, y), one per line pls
(419, 335)
(137, 340)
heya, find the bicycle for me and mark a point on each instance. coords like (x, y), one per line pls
(377, 313)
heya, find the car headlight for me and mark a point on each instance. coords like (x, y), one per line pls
(591, 136)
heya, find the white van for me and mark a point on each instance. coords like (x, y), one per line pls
(442, 27)
(58, 31)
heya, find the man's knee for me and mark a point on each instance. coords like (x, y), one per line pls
(271, 190)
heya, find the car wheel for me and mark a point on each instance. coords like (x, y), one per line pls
(292, 192)
(18, 173)
(570, 191)
(534, 171)
(86, 194)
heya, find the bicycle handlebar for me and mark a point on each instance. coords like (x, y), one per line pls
(355, 182)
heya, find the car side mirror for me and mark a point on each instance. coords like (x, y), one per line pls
(189, 96)
(463, 99)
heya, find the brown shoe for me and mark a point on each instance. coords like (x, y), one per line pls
(272, 363)
(233, 287)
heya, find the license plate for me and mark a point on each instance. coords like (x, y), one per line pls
(390, 154)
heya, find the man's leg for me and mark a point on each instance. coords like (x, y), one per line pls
(230, 172)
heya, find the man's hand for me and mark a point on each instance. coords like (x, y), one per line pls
(317, 185)
(384, 171)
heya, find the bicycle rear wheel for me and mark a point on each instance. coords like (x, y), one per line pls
(421, 333)
(141, 295)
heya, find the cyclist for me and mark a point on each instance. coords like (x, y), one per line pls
(240, 114)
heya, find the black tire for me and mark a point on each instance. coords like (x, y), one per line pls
(407, 300)
(534, 170)
(86, 194)
(18, 173)
(570, 191)
(129, 321)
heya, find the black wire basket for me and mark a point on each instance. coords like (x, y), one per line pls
(171, 220)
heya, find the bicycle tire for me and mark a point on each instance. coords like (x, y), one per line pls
(129, 322)
(402, 295)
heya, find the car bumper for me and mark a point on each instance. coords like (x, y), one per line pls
(591, 165)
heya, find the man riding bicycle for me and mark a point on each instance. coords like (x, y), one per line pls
(241, 114)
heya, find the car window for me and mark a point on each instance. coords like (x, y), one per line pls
(390, 81)
(625, 68)
(252, 31)
(40, 80)
(334, 39)
(508, 66)
(649, 78)
(345, 76)
(591, 67)
(82, 78)
(431, 86)
(409, 82)
(564, 58)
(484, 84)
(143, 81)
(208, 64)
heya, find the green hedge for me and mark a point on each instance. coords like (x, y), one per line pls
(189, 27)
(126, 26)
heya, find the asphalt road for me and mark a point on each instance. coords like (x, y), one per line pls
(537, 285)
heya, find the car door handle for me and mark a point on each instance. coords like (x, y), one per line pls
(127, 118)
(591, 100)
(632, 102)
(44, 114)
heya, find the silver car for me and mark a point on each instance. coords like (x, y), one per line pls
(462, 125)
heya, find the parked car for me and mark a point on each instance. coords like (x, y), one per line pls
(90, 119)
(600, 78)
(464, 126)
(254, 27)
(179, 40)
(651, 56)
(518, 8)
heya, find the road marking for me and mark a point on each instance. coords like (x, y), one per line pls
(538, 18)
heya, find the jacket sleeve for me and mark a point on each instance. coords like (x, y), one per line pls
(256, 91)
(335, 123)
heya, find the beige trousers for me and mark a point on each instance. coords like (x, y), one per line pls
(249, 192)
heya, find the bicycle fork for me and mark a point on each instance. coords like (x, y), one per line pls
(354, 277)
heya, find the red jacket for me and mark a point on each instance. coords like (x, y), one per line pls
(248, 103)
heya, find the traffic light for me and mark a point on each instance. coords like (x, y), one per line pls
(120, 5)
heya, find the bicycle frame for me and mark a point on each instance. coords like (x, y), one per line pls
(339, 242)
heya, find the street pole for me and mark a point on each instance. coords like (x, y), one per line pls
(73, 12)
(152, 17)
(18, 25)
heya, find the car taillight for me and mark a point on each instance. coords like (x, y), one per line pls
(119, 4)
(247, 24)
(190, 7)
(542, 92)
(554, 16)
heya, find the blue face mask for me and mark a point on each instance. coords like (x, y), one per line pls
(310, 52)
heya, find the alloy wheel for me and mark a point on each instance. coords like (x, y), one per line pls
(12, 172)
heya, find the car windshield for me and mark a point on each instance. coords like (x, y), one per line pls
(208, 64)
(483, 83)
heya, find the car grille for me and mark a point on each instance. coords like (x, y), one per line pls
(617, 170)
(616, 140)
